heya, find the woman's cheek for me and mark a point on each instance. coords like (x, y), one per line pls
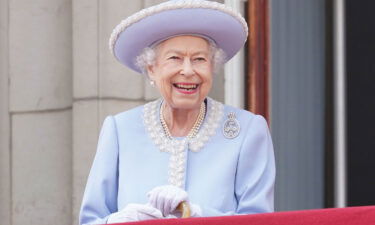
(206, 88)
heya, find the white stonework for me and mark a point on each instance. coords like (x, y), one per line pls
(148, 3)
(217, 91)
(85, 48)
(41, 168)
(40, 54)
(112, 107)
(5, 188)
(85, 134)
(151, 93)
(116, 80)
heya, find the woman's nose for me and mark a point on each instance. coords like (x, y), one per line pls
(187, 68)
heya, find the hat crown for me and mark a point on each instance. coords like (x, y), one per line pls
(206, 18)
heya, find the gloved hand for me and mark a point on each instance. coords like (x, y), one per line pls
(166, 199)
(135, 212)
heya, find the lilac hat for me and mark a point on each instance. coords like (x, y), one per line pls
(219, 23)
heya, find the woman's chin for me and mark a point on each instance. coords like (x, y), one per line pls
(187, 102)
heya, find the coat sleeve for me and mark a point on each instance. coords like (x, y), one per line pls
(255, 177)
(100, 197)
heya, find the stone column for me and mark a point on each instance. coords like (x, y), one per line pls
(102, 86)
(40, 94)
(85, 92)
(5, 174)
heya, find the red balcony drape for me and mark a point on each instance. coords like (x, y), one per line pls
(344, 216)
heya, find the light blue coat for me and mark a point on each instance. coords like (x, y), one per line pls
(226, 177)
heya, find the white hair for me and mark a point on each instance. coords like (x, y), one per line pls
(148, 56)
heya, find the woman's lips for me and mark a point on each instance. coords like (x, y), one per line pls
(186, 88)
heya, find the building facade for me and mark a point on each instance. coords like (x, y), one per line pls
(58, 81)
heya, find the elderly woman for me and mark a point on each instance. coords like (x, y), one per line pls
(184, 147)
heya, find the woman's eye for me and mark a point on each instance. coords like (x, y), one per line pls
(200, 59)
(174, 57)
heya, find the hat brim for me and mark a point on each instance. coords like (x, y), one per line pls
(225, 30)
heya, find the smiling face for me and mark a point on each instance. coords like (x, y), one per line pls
(183, 71)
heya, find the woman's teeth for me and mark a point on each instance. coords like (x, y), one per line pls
(186, 86)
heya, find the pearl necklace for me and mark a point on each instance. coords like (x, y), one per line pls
(194, 130)
(152, 121)
(194, 142)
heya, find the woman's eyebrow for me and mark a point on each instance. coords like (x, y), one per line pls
(181, 52)
(200, 53)
(173, 51)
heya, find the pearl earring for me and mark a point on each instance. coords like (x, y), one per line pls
(152, 83)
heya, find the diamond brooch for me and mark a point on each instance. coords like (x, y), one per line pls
(231, 127)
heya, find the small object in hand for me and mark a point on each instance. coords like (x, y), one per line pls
(184, 208)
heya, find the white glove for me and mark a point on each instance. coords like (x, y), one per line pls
(166, 199)
(135, 212)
